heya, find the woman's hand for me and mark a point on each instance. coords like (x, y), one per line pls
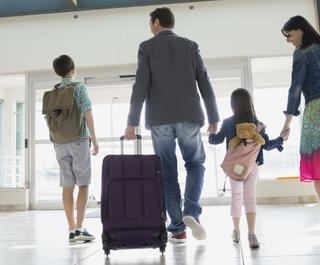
(286, 127)
(285, 134)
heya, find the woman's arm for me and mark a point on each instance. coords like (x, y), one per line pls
(286, 126)
(299, 70)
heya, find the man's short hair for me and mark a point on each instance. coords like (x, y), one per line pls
(165, 16)
(62, 65)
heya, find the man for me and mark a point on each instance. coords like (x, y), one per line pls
(169, 67)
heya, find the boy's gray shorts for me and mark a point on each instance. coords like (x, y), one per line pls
(74, 162)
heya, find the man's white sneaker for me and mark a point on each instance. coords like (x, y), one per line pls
(198, 231)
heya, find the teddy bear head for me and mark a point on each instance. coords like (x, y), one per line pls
(246, 130)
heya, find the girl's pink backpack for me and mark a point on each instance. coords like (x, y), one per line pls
(240, 159)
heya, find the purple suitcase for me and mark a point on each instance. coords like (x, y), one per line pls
(133, 212)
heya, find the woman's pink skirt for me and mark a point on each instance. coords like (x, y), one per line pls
(310, 142)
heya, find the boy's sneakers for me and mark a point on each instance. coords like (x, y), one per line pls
(71, 237)
(198, 231)
(179, 238)
(253, 241)
(83, 235)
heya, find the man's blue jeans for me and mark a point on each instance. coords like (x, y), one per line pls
(191, 147)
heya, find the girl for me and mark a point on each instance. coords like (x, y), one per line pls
(243, 112)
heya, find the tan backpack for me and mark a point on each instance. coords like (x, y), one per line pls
(63, 115)
(243, 151)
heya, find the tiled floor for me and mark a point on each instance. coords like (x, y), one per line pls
(288, 234)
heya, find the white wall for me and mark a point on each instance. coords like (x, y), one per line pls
(224, 28)
(2, 93)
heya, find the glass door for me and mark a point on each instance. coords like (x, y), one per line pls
(223, 82)
(12, 131)
(110, 110)
(271, 77)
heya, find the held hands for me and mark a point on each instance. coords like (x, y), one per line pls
(129, 133)
(285, 133)
(213, 128)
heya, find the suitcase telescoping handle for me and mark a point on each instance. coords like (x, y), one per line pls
(138, 141)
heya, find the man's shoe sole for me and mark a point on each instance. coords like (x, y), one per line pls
(197, 230)
(79, 238)
(177, 241)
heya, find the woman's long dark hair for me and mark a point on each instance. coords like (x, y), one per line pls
(310, 35)
(242, 106)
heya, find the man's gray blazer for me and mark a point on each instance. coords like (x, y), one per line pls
(169, 69)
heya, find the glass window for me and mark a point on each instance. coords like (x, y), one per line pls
(19, 128)
(1, 151)
(223, 82)
(41, 131)
(110, 118)
(47, 172)
(120, 112)
(12, 95)
(271, 81)
(110, 111)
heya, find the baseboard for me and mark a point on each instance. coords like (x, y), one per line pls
(16, 207)
(287, 200)
(14, 199)
(225, 200)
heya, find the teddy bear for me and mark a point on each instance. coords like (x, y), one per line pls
(246, 131)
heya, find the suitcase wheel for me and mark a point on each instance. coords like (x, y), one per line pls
(105, 243)
(162, 249)
(164, 239)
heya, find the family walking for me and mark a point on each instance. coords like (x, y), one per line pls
(170, 79)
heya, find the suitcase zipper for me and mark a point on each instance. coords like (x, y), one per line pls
(136, 228)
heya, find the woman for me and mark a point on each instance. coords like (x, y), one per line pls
(305, 79)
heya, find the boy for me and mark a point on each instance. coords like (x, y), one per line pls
(74, 156)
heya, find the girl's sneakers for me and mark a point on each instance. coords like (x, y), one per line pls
(253, 241)
(236, 236)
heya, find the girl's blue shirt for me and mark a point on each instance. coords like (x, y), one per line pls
(228, 131)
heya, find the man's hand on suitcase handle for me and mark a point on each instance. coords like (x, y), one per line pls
(130, 133)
